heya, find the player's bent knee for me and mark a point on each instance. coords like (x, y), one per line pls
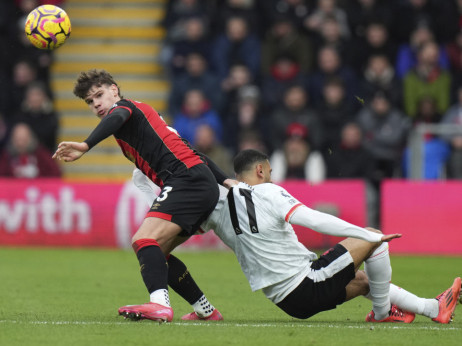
(363, 282)
(359, 286)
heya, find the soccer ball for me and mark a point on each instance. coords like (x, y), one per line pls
(48, 27)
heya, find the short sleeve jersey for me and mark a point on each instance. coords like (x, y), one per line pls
(153, 146)
(253, 222)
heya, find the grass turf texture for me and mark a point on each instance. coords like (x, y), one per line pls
(70, 297)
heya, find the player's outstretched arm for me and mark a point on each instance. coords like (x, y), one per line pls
(331, 225)
(70, 151)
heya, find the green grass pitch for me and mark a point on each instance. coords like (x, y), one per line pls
(70, 297)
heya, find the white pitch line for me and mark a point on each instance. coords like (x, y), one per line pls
(246, 325)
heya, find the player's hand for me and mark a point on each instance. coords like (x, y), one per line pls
(388, 237)
(70, 151)
(229, 183)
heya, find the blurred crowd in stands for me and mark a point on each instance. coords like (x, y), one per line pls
(330, 89)
(28, 121)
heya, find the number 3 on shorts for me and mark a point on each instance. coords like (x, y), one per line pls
(163, 196)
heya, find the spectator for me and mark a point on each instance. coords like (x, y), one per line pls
(25, 157)
(436, 151)
(246, 117)
(239, 77)
(296, 10)
(236, 45)
(427, 79)
(206, 142)
(37, 112)
(379, 74)
(196, 111)
(376, 40)
(285, 72)
(330, 65)
(453, 116)
(295, 109)
(325, 9)
(349, 159)
(195, 41)
(330, 34)
(439, 16)
(385, 131)
(334, 111)
(197, 76)
(296, 159)
(21, 48)
(247, 9)
(251, 139)
(24, 73)
(177, 14)
(407, 53)
(454, 50)
(361, 13)
(284, 39)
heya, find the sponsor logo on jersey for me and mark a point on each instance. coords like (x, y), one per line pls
(284, 194)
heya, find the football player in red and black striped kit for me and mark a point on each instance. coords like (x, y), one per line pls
(189, 190)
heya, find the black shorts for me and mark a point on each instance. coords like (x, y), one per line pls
(187, 198)
(324, 288)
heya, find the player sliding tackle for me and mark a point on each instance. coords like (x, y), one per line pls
(254, 219)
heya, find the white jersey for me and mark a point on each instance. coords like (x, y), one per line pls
(253, 222)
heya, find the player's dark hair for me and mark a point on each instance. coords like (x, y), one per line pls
(246, 159)
(94, 77)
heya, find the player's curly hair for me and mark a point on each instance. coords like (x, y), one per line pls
(246, 159)
(94, 77)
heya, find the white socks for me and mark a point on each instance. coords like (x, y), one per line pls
(383, 293)
(410, 302)
(202, 307)
(160, 297)
(378, 270)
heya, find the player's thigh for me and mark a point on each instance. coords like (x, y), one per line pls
(163, 231)
(359, 286)
(324, 287)
(359, 249)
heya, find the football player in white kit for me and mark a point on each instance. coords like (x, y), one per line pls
(254, 219)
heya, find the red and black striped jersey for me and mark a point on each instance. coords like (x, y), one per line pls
(154, 147)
